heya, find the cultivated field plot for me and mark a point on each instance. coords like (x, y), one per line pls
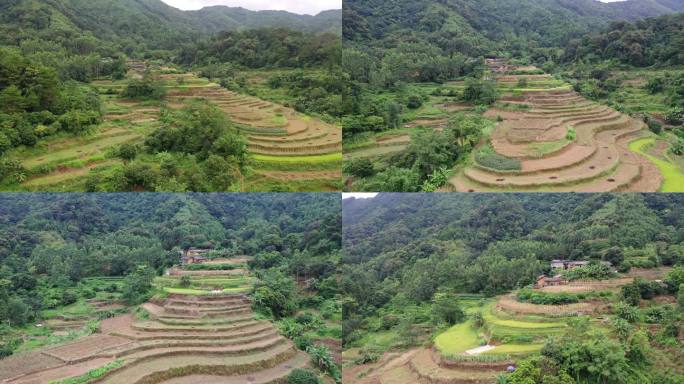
(202, 337)
(557, 141)
(433, 115)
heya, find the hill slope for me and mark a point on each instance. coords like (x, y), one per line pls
(548, 22)
(149, 22)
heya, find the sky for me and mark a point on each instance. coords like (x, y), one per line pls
(359, 195)
(308, 7)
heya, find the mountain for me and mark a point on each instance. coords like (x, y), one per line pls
(548, 22)
(152, 23)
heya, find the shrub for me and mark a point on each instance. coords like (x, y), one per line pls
(321, 358)
(590, 272)
(627, 312)
(543, 298)
(147, 88)
(572, 134)
(480, 92)
(675, 116)
(128, 152)
(185, 281)
(414, 102)
(653, 125)
(489, 158)
(677, 147)
(302, 376)
(68, 297)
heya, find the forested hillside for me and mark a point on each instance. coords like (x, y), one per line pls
(459, 271)
(50, 244)
(149, 24)
(393, 233)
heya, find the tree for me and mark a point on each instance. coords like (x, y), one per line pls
(393, 115)
(17, 312)
(221, 173)
(414, 102)
(480, 91)
(147, 88)
(137, 285)
(445, 309)
(128, 152)
(360, 167)
(11, 100)
(275, 293)
(614, 255)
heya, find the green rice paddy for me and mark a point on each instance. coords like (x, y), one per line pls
(673, 176)
(457, 339)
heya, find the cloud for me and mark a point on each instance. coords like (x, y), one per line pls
(310, 7)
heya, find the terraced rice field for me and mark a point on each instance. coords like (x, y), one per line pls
(186, 338)
(595, 158)
(454, 357)
(427, 366)
(287, 146)
(275, 133)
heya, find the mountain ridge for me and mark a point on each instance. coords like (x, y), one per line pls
(152, 23)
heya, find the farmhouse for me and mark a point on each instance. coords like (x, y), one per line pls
(193, 255)
(545, 281)
(565, 264)
(497, 65)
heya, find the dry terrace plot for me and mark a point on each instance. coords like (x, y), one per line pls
(85, 347)
(563, 143)
(271, 129)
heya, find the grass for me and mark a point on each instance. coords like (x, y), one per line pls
(63, 176)
(90, 375)
(487, 157)
(76, 151)
(383, 340)
(673, 176)
(541, 149)
(457, 339)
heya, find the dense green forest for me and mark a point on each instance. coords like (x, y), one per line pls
(53, 244)
(403, 252)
